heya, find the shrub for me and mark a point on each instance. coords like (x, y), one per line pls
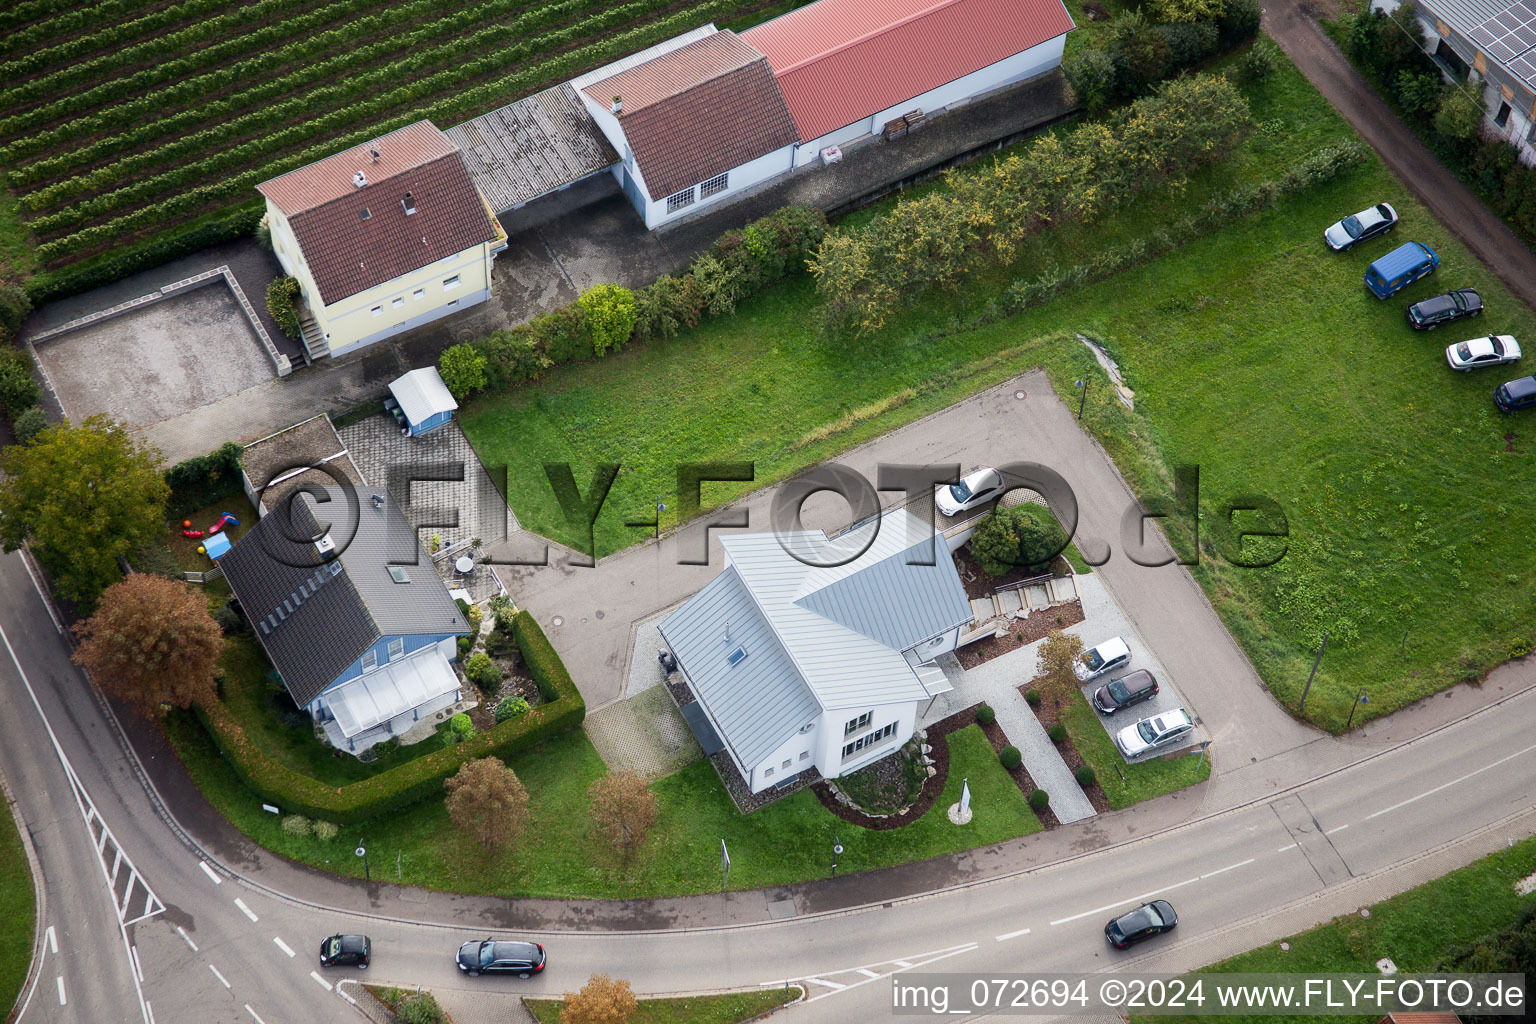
(460, 728)
(1091, 74)
(465, 645)
(1139, 51)
(282, 294)
(985, 714)
(1258, 62)
(667, 306)
(1185, 11)
(513, 356)
(29, 424)
(544, 665)
(420, 1008)
(325, 831)
(996, 543)
(1458, 117)
(462, 368)
(1032, 697)
(510, 707)
(1057, 733)
(19, 389)
(1038, 800)
(1239, 21)
(1519, 647)
(1189, 42)
(296, 825)
(228, 619)
(563, 333)
(472, 614)
(482, 671)
(1086, 776)
(14, 307)
(610, 315)
(720, 287)
(1010, 758)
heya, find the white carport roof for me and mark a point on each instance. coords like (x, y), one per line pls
(390, 690)
(422, 394)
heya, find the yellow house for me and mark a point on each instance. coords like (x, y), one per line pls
(382, 237)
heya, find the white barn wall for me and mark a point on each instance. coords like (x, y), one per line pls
(790, 751)
(829, 759)
(753, 172)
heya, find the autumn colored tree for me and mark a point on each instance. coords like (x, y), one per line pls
(487, 801)
(623, 809)
(83, 497)
(602, 1000)
(1059, 652)
(151, 642)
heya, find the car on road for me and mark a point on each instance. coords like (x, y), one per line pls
(1131, 688)
(500, 956)
(1516, 394)
(346, 951)
(1477, 352)
(1154, 733)
(1445, 309)
(1145, 921)
(1108, 656)
(1361, 227)
(974, 489)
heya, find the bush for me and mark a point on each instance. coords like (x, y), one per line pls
(1032, 697)
(460, 728)
(513, 356)
(1139, 51)
(14, 307)
(19, 389)
(1185, 11)
(1091, 74)
(1010, 758)
(229, 620)
(1057, 733)
(202, 479)
(420, 1008)
(995, 543)
(544, 665)
(462, 368)
(296, 825)
(1519, 647)
(510, 707)
(610, 315)
(1086, 776)
(465, 645)
(1189, 42)
(1239, 21)
(563, 334)
(482, 671)
(282, 294)
(985, 714)
(1458, 117)
(1038, 800)
(720, 287)
(1259, 62)
(29, 424)
(325, 831)
(667, 306)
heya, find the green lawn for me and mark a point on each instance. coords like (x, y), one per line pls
(788, 841)
(728, 1008)
(1132, 783)
(18, 910)
(1414, 928)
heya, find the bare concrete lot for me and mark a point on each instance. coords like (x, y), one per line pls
(157, 362)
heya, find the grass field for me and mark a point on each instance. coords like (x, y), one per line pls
(727, 1008)
(788, 841)
(18, 909)
(1131, 783)
(1256, 354)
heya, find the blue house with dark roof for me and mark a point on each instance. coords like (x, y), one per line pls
(350, 611)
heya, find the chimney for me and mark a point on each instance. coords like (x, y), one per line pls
(618, 107)
(378, 501)
(326, 548)
(409, 203)
(727, 630)
(359, 179)
(375, 154)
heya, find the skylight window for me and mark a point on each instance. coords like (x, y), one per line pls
(398, 574)
(736, 656)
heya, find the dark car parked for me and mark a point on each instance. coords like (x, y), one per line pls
(1145, 921)
(346, 951)
(488, 956)
(1516, 394)
(1444, 309)
(1132, 688)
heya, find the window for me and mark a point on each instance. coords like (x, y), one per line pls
(377, 311)
(1503, 118)
(682, 199)
(398, 301)
(786, 764)
(370, 661)
(849, 749)
(398, 574)
(767, 773)
(805, 755)
(450, 283)
(453, 302)
(735, 657)
(418, 294)
(396, 647)
(857, 724)
(715, 185)
(364, 214)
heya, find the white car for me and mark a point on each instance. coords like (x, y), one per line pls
(1360, 227)
(977, 488)
(1149, 734)
(1108, 656)
(1489, 351)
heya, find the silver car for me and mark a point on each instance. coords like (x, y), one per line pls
(1154, 733)
(1108, 656)
(1360, 227)
(1478, 352)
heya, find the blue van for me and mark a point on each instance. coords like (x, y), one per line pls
(1400, 268)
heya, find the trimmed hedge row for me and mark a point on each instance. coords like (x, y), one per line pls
(416, 780)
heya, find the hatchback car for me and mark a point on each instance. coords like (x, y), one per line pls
(1361, 227)
(1516, 394)
(1477, 352)
(973, 490)
(1445, 309)
(1108, 656)
(1145, 921)
(1154, 733)
(499, 956)
(1129, 689)
(346, 951)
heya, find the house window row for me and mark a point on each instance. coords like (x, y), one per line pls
(857, 724)
(449, 284)
(396, 649)
(849, 749)
(805, 755)
(680, 200)
(713, 187)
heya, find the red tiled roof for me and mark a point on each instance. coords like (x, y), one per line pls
(838, 61)
(348, 253)
(698, 111)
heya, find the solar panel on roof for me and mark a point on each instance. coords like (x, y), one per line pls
(1509, 34)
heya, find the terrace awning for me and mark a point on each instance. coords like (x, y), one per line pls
(392, 689)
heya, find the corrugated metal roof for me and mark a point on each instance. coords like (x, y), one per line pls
(894, 601)
(761, 700)
(422, 394)
(1465, 15)
(838, 61)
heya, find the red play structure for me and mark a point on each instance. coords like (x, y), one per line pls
(224, 520)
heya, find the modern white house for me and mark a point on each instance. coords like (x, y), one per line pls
(382, 237)
(797, 666)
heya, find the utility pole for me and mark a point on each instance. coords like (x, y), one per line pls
(1315, 662)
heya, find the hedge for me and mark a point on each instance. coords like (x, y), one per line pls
(416, 780)
(203, 478)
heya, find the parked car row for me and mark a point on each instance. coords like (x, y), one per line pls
(481, 956)
(1408, 263)
(1143, 737)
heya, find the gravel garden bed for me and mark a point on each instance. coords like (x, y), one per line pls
(1049, 714)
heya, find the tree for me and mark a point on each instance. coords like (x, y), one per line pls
(623, 809)
(602, 1000)
(83, 497)
(1091, 74)
(1186, 10)
(463, 370)
(611, 312)
(1459, 117)
(487, 801)
(151, 642)
(1140, 53)
(1041, 537)
(996, 543)
(1059, 653)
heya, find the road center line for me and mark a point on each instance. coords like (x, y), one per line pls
(1012, 935)
(324, 984)
(187, 938)
(62, 1000)
(1134, 899)
(1340, 828)
(1285, 849)
(210, 872)
(53, 941)
(1229, 867)
(252, 1012)
(282, 945)
(245, 909)
(1464, 778)
(216, 974)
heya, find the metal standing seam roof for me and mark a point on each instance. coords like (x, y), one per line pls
(839, 61)
(422, 394)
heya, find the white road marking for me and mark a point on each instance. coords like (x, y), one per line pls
(1464, 778)
(868, 973)
(901, 963)
(1284, 849)
(149, 1011)
(137, 970)
(210, 872)
(245, 909)
(1120, 903)
(830, 984)
(1229, 867)
(62, 1000)
(282, 945)
(187, 938)
(1340, 828)
(216, 974)
(253, 1014)
(325, 984)
(38, 586)
(53, 941)
(1012, 935)
(921, 960)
